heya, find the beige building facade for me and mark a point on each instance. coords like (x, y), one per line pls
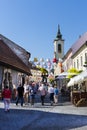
(36, 75)
(76, 57)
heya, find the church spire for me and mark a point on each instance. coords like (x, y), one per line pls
(59, 35)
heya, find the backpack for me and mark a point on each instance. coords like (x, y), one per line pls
(56, 91)
(31, 91)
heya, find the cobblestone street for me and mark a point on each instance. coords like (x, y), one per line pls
(63, 116)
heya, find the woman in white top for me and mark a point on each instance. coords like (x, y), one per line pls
(42, 90)
(26, 93)
(51, 94)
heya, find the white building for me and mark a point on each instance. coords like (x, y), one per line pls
(76, 56)
(58, 52)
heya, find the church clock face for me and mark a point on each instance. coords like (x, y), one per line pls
(59, 48)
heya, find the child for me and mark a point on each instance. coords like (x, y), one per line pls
(6, 93)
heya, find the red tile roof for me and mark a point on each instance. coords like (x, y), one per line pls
(10, 59)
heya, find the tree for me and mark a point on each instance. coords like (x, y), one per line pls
(44, 74)
(73, 72)
(44, 71)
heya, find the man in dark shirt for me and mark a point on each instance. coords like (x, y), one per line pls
(20, 93)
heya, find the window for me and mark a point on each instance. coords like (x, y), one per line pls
(74, 65)
(59, 48)
(77, 64)
(81, 61)
(85, 57)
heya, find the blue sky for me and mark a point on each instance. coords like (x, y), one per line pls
(33, 24)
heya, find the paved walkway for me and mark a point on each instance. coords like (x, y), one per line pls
(63, 116)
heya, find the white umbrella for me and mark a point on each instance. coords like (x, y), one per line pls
(66, 74)
(75, 80)
(61, 77)
(82, 76)
(78, 79)
(71, 82)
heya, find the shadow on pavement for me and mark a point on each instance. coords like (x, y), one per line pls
(19, 119)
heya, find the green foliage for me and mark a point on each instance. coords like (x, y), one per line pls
(51, 81)
(70, 76)
(43, 70)
(73, 72)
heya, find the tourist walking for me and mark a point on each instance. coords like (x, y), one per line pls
(56, 92)
(43, 92)
(20, 93)
(51, 93)
(26, 93)
(32, 93)
(6, 94)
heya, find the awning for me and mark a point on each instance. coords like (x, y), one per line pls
(64, 75)
(78, 79)
(60, 77)
(71, 82)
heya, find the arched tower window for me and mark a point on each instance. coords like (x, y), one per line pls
(59, 48)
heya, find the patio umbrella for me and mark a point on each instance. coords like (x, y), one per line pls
(67, 73)
(78, 79)
(61, 77)
(71, 82)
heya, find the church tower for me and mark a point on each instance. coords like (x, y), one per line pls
(58, 46)
(58, 53)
